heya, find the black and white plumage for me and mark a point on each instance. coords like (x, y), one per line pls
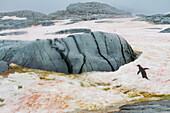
(143, 72)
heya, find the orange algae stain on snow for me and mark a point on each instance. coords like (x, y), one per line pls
(30, 103)
(40, 83)
(50, 83)
(165, 64)
(167, 80)
(43, 100)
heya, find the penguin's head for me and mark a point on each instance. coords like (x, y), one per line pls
(138, 65)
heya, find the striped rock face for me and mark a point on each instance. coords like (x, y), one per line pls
(94, 51)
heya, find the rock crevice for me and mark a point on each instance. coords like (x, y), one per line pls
(122, 49)
(101, 53)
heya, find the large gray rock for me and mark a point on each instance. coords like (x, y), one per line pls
(95, 51)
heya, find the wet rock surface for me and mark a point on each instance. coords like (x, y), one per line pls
(165, 30)
(95, 51)
(70, 31)
(162, 106)
(14, 33)
(156, 19)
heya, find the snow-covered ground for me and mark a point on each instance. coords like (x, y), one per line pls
(12, 18)
(29, 90)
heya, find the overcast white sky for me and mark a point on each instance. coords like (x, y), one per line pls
(49, 6)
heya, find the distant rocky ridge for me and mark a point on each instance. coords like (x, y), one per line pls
(17, 24)
(75, 54)
(93, 8)
(32, 18)
(73, 11)
(88, 11)
(156, 19)
(14, 33)
(77, 12)
(25, 14)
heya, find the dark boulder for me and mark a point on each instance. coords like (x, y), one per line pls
(95, 51)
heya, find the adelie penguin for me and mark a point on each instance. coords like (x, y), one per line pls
(143, 72)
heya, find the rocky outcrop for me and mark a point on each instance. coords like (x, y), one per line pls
(30, 15)
(161, 106)
(71, 31)
(13, 33)
(93, 8)
(156, 19)
(16, 24)
(76, 12)
(95, 51)
(89, 11)
(32, 18)
(165, 30)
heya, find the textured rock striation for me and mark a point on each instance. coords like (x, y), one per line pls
(94, 51)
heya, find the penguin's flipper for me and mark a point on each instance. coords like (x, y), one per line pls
(138, 72)
(145, 68)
